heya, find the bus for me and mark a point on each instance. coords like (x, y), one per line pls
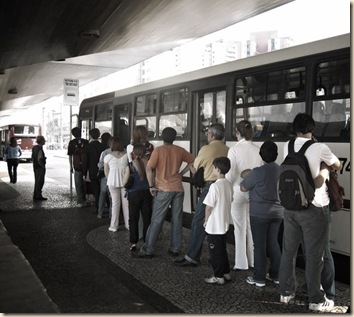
(268, 90)
(25, 135)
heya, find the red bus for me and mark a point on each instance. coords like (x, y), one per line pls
(25, 135)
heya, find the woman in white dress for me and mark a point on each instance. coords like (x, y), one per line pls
(243, 155)
(116, 169)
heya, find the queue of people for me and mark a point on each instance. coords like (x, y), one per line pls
(240, 189)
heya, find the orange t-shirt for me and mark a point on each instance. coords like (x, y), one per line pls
(166, 160)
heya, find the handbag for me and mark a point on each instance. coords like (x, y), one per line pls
(130, 182)
(197, 179)
(335, 192)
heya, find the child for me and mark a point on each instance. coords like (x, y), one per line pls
(217, 221)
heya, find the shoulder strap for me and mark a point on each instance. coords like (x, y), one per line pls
(306, 145)
(291, 146)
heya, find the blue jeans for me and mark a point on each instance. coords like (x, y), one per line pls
(160, 206)
(197, 233)
(311, 227)
(104, 197)
(80, 187)
(265, 238)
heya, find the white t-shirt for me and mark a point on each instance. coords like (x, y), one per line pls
(219, 197)
(315, 154)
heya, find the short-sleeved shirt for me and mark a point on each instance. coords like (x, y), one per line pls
(219, 197)
(206, 156)
(315, 154)
(166, 160)
(262, 186)
(117, 167)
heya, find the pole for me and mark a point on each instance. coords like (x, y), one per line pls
(71, 174)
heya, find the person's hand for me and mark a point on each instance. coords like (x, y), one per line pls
(153, 191)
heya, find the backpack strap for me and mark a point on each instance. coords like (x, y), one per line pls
(305, 146)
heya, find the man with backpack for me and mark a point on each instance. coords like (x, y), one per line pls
(77, 161)
(308, 225)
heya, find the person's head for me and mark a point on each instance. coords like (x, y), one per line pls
(244, 130)
(95, 133)
(76, 132)
(169, 135)
(303, 123)
(13, 141)
(105, 139)
(223, 164)
(140, 135)
(139, 150)
(216, 131)
(117, 145)
(40, 140)
(268, 151)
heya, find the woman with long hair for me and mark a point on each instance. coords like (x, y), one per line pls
(116, 170)
(139, 197)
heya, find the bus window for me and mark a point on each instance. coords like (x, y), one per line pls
(273, 121)
(149, 123)
(146, 105)
(332, 118)
(174, 100)
(176, 121)
(331, 107)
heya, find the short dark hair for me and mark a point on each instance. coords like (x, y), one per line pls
(268, 151)
(117, 144)
(303, 123)
(217, 130)
(40, 139)
(223, 164)
(169, 135)
(95, 133)
(76, 132)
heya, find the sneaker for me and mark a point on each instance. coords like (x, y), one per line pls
(133, 247)
(286, 299)
(112, 229)
(227, 277)
(274, 280)
(215, 280)
(99, 216)
(251, 281)
(325, 306)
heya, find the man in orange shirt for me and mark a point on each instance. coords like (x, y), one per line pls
(165, 181)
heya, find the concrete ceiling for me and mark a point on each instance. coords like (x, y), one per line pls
(43, 42)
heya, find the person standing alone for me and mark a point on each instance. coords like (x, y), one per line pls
(39, 161)
(13, 153)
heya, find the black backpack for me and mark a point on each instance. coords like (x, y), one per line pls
(79, 156)
(296, 187)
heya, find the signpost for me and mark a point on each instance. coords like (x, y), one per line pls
(71, 97)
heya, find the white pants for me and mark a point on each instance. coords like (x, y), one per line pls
(117, 194)
(244, 257)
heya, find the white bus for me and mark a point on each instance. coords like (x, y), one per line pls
(268, 90)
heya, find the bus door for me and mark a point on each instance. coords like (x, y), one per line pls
(209, 107)
(121, 123)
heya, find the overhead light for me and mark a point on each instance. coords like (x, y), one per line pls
(90, 34)
(12, 91)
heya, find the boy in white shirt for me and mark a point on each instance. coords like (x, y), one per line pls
(217, 221)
